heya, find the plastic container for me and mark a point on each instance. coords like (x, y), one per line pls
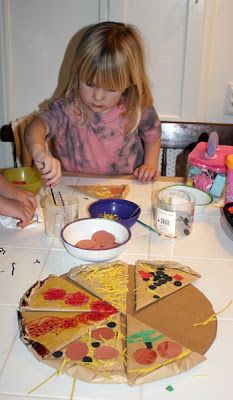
(56, 216)
(206, 168)
(173, 212)
(229, 183)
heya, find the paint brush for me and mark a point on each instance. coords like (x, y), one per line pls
(148, 227)
(51, 190)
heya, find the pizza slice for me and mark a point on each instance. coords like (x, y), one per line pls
(152, 355)
(46, 332)
(157, 279)
(57, 293)
(103, 191)
(98, 353)
(109, 281)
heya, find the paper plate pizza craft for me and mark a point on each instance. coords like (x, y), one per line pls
(87, 323)
(103, 191)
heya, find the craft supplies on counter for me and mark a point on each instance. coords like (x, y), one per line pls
(206, 168)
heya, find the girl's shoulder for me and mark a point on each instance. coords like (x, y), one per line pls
(149, 112)
(60, 105)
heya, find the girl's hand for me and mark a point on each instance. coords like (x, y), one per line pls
(49, 167)
(145, 173)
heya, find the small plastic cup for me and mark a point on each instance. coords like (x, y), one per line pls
(59, 213)
(173, 212)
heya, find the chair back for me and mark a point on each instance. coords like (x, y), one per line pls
(14, 132)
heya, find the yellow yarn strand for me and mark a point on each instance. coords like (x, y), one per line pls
(44, 382)
(213, 317)
(73, 389)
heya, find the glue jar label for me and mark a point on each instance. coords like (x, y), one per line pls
(166, 222)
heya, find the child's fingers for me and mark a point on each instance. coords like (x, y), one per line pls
(145, 174)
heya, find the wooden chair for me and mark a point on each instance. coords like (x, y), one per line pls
(14, 133)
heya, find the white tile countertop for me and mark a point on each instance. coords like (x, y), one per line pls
(29, 254)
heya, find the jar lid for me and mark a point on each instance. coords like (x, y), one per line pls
(198, 157)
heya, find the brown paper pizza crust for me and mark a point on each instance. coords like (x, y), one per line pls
(175, 314)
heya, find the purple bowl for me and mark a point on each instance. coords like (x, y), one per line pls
(118, 209)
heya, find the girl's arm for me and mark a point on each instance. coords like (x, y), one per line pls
(149, 169)
(35, 140)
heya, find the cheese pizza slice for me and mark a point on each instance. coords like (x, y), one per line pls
(157, 279)
(98, 353)
(103, 191)
(57, 293)
(109, 281)
(152, 355)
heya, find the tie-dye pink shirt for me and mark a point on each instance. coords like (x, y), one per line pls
(100, 146)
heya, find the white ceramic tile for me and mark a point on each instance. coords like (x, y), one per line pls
(58, 263)
(207, 240)
(211, 379)
(216, 282)
(140, 193)
(8, 331)
(21, 267)
(33, 236)
(139, 242)
(160, 246)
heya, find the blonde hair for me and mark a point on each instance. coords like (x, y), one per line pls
(112, 54)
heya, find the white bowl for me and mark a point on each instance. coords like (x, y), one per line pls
(83, 229)
(202, 199)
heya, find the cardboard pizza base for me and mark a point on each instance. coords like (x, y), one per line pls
(175, 315)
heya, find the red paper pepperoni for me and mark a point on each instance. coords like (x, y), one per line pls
(105, 353)
(116, 190)
(144, 274)
(103, 307)
(76, 350)
(76, 299)
(145, 356)
(54, 294)
(103, 333)
(103, 238)
(169, 349)
(86, 244)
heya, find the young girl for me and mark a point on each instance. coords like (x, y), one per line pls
(16, 203)
(105, 122)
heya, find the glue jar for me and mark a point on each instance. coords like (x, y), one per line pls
(173, 212)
